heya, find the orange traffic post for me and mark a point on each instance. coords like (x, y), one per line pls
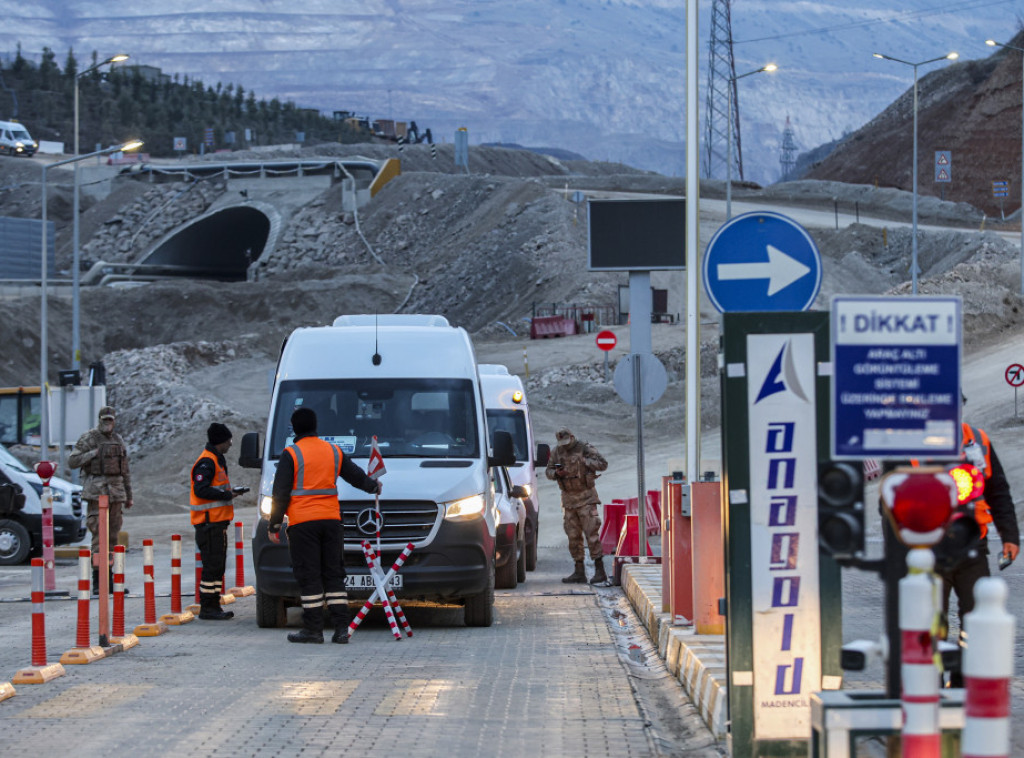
(241, 589)
(708, 557)
(83, 652)
(39, 672)
(680, 592)
(176, 617)
(151, 627)
(195, 607)
(118, 637)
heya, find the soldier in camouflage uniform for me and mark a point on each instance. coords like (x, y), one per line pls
(574, 465)
(103, 458)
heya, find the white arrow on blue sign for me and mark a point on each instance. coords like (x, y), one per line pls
(762, 261)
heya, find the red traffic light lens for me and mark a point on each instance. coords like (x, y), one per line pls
(970, 483)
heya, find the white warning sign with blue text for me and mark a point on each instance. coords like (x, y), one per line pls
(896, 377)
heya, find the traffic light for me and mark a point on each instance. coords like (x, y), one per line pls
(841, 509)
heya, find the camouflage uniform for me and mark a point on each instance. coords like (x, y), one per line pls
(103, 458)
(580, 463)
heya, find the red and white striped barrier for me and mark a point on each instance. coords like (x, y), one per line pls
(176, 617)
(196, 607)
(117, 635)
(83, 651)
(39, 671)
(241, 589)
(988, 669)
(918, 597)
(390, 592)
(151, 627)
(377, 593)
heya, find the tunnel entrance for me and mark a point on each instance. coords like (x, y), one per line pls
(220, 246)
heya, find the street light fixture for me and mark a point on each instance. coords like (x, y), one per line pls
(76, 351)
(913, 243)
(993, 43)
(728, 161)
(44, 430)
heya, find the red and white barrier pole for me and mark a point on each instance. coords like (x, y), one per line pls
(393, 600)
(83, 651)
(39, 671)
(369, 601)
(988, 670)
(199, 578)
(241, 589)
(117, 635)
(381, 591)
(176, 617)
(918, 597)
(151, 627)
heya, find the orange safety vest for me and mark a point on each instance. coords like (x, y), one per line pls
(314, 495)
(218, 510)
(982, 513)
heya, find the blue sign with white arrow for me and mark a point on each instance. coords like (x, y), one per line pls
(762, 261)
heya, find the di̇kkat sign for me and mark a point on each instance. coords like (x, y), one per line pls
(786, 610)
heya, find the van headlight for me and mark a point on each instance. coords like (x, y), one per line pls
(466, 508)
(266, 506)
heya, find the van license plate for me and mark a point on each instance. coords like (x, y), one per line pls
(365, 582)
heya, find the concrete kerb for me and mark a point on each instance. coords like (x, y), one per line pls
(697, 661)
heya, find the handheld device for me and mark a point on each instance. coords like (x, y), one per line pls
(1004, 561)
(239, 490)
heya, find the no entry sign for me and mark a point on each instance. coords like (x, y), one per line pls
(606, 340)
(1015, 375)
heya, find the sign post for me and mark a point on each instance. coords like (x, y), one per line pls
(606, 341)
(1015, 378)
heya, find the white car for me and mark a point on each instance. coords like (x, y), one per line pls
(510, 536)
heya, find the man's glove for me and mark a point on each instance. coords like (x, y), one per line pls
(274, 532)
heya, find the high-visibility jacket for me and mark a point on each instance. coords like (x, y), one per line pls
(218, 510)
(314, 495)
(982, 512)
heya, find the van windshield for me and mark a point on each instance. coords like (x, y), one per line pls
(9, 460)
(20, 134)
(513, 422)
(411, 418)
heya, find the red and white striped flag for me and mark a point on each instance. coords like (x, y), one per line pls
(375, 468)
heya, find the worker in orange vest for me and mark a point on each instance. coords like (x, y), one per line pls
(212, 510)
(306, 491)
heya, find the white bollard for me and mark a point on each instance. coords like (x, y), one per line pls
(988, 669)
(918, 592)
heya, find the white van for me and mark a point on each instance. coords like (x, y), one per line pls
(411, 381)
(15, 139)
(21, 510)
(508, 411)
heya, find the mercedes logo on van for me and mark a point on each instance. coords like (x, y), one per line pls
(368, 521)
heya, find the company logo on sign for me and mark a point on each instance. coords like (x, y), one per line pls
(783, 533)
(782, 376)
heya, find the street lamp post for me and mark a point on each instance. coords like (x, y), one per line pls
(44, 412)
(913, 243)
(76, 347)
(993, 43)
(728, 160)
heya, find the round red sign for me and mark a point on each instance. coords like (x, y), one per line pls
(1015, 375)
(606, 340)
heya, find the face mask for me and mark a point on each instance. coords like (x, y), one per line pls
(564, 441)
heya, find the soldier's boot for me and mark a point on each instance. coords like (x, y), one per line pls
(599, 576)
(210, 610)
(312, 626)
(578, 576)
(95, 580)
(342, 618)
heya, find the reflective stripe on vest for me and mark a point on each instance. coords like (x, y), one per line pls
(982, 512)
(300, 474)
(220, 479)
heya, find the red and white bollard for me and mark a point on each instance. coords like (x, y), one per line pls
(83, 651)
(39, 671)
(151, 627)
(988, 669)
(919, 602)
(195, 607)
(240, 589)
(176, 617)
(117, 635)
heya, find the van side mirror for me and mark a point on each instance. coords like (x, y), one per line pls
(519, 491)
(504, 450)
(543, 454)
(251, 454)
